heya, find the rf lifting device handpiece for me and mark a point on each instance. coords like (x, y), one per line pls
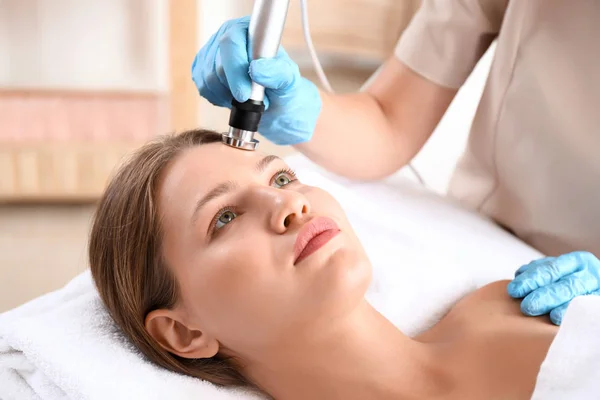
(264, 36)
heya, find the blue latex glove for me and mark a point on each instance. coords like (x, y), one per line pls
(222, 71)
(548, 285)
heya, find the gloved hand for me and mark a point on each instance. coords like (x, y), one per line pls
(222, 71)
(549, 284)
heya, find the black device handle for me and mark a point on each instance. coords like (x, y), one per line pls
(246, 115)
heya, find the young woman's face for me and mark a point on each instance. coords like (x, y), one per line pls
(237, 230)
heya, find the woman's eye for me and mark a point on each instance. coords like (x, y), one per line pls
(282, 179)
(225, 218)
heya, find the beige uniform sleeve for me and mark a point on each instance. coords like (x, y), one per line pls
(446, 38)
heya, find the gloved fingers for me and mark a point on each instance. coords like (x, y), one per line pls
(207, 52)
(557, 315)
(215, 92)
(303, 96)
(293, 119)
(278, 73)
(289, 131)
(199, 71)
(205, 73)
(220, 86)
(268, 73)
(212, 88)
(525, 267)
(542, 273)
(591, 262)
(277, 79)
(545, 299)
(233, 47)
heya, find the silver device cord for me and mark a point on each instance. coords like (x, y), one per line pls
(321, 74)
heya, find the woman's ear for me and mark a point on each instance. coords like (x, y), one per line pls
(177, 338)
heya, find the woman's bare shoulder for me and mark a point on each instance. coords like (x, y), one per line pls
(491, 305)
(488, 325)
(488, 309)
(483, 304)
(489, 301)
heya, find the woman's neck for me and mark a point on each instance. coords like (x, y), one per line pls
(362, 356)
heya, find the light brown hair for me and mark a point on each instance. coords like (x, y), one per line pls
(126, 261)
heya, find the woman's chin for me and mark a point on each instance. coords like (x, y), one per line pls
(343, 281)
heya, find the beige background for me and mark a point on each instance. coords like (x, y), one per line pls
(42, 246)
(123, 46)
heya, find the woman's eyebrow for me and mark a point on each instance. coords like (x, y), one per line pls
(226, 187)
(218, 191)
(264, 163)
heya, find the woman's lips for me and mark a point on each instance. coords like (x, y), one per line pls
(314, 235)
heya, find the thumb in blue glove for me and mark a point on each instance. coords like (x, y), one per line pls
(548, 285)
(294, 101)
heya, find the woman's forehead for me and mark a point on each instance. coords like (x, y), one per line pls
(197, 170)
(212, 161)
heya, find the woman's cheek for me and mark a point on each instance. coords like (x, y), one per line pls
(220, 285)
(233, 262)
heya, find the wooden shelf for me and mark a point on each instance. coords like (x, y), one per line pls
(62, 116)
(58, 172)
(63, 145)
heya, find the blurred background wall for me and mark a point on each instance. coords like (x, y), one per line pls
(83, 82)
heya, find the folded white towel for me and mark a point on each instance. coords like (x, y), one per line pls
(571, 369)
(64, 345)
(426, 252)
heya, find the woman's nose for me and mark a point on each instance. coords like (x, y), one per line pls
(290, 207)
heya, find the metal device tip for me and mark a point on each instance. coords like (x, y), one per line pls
(240, 139)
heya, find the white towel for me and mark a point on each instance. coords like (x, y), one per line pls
(571, 369)
(423, 248)
(65, 346)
